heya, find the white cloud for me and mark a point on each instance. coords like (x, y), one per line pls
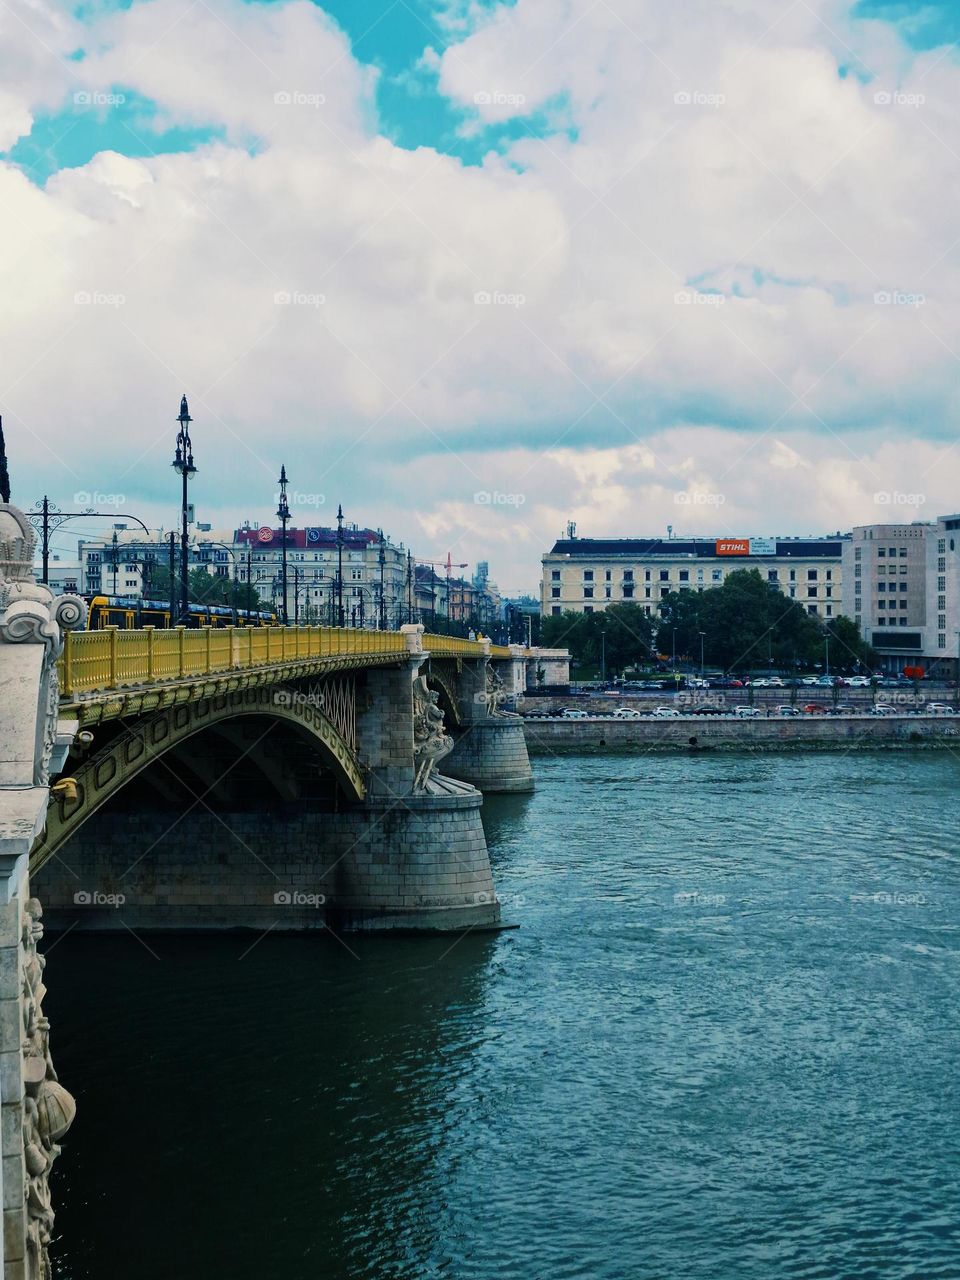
(382, 379)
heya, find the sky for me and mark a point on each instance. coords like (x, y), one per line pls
(475, 269)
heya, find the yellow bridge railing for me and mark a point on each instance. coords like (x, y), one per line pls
(111, 657)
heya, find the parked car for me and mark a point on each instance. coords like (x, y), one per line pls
(666, 713)
(747, 713)
(859, 682)
(786, 710)
(775, 683)
(882, 709)
(626, 713)
(815, 709)
(574, 713)
(939, 709)
(808, 680)
(707, 710)
(842, 709)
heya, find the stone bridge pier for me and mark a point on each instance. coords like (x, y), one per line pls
(490, 750)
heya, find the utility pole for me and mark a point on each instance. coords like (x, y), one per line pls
(409, 586)
(114, 549)
(339, 564)
(46, 540)
(173, 578)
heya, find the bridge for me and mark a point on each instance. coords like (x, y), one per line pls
(257, 778)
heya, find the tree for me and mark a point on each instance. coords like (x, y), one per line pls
(848, 648)
(617, 637)
(204, 588)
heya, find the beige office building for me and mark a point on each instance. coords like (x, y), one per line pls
(587, 574)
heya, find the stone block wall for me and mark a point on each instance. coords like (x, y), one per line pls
(419, 863)
(492, 755)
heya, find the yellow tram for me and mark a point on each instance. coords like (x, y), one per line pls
(128, 613)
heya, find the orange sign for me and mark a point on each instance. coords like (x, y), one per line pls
(733, 547)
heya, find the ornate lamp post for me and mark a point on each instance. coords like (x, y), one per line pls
(383, 603)
(183, 465)
(283, 513)
(339, 565)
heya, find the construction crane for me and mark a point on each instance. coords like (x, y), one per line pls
(448, 565)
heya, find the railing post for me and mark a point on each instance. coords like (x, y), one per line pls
(182, 654)
(113, 656)
(269, 638)
(151, 670)
(234, 660)
(209, 631)
(68, 663)
(249, 631)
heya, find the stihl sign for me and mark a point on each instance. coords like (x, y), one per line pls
(733, 547)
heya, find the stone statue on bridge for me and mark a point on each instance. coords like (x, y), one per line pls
(430, 739)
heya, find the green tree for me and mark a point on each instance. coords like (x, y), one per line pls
(616, 637)
(204, 588)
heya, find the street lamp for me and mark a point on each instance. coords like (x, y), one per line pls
(183, 465)
(114, 551)
(283, 514)
(339, 565)
(826, 646)
(383, 603)
(702, 634)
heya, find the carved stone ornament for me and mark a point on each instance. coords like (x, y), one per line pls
(430, 741)
(48, 1109)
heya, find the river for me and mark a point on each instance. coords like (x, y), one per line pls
(723, 1043)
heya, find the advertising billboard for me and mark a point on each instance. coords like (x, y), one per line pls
(733, 547)
(763, 547)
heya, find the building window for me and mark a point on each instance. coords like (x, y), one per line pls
(942, 620)
(793, 575)
(828, 592)
(829, 575)
(793, 593)
(628, 593)
(608, 575)
(646, 575)
(772, 575)
(881, 604)
(881, 586)
(829, 610)
(941, 602)
(903, 604)
(811, 593)
(555, 610)
(554, 575)
(588, 608)
(893, 552)
(628, 575)
(903, 586)
(941, 584)
(588, 595)
(941, 564)
(716, 575)
(811, 575)
(646, 593)
(856, 553)
(588, 575)
(684, 575)
(664, 592)
(903, 553)
(811, 608)
(881, 553)
(941, 545)
(555, 593)
(856, 570)
(941, 640)
(664, 575)
(606, 592)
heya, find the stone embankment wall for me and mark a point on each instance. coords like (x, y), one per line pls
(722, 733)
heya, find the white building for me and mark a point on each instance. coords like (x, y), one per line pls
(588, 574)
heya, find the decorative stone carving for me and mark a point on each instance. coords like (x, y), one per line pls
(48, 1109)
(496, 695)
(430, 741)
(31, 614)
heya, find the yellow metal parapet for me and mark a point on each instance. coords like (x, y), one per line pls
(112, 658)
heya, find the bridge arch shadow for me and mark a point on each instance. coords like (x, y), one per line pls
(138, 750)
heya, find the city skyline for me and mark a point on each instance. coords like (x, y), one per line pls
(473, 274)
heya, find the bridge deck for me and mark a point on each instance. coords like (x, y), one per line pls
(112, 659)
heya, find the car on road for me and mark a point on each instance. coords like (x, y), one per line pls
(815, 709)
(626, 713)
(842, 709)
(882, 709)
(808, 680)
(939, 709)
(747, 713)
(574, 713)
(859, 682)
(708, 709)
(786, 710)
(666, 713)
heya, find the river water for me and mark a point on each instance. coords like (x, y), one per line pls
(723, 1043)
